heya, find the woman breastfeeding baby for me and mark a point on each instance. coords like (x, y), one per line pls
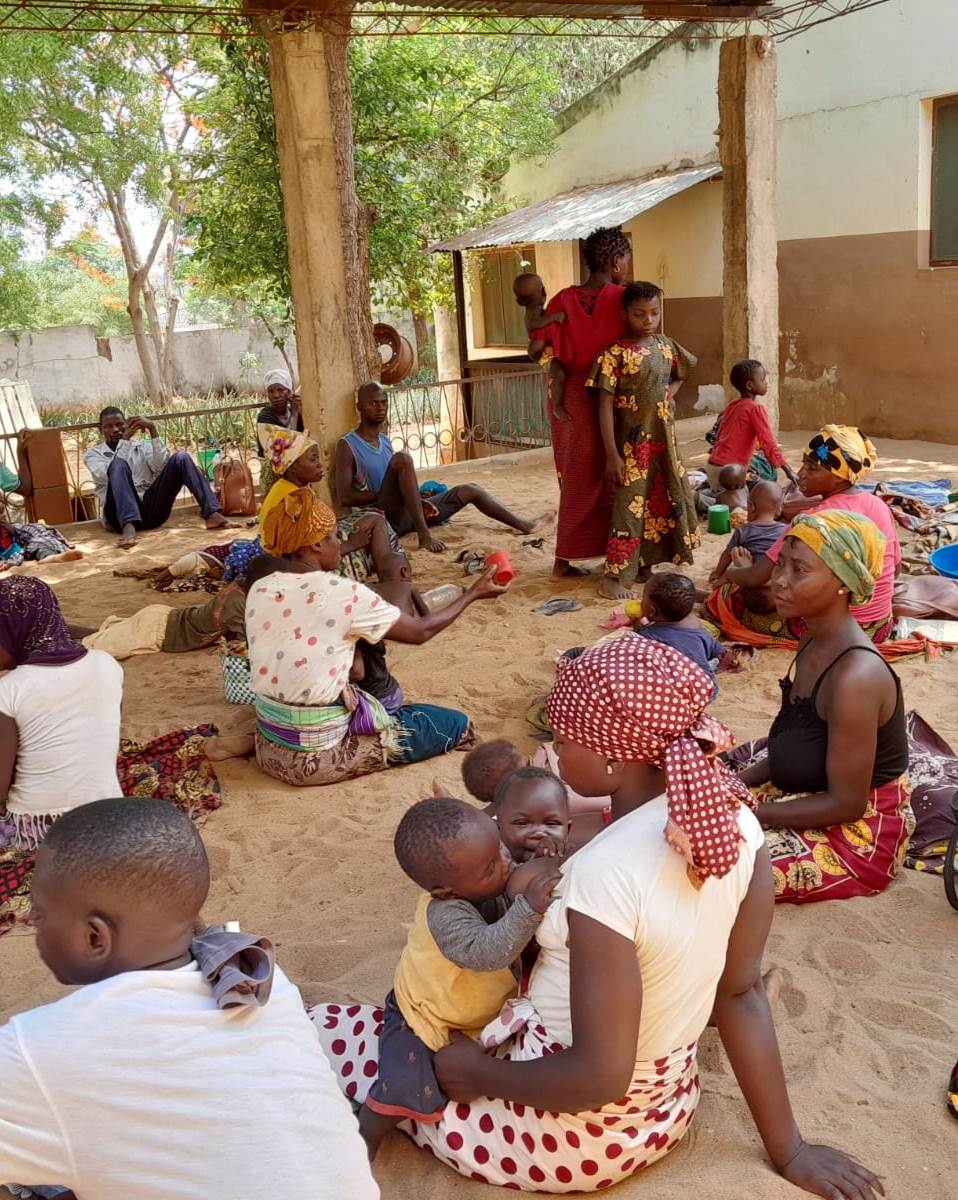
(658, 927)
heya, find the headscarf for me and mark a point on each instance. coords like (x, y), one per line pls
(295, 521)
(282, 446)
(844, 451)
(32, 629)
(279, 376)
(635, 700)
(849, 544)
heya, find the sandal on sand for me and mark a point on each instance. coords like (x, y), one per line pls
(472, 563)
(558, 604)
(953, 1092)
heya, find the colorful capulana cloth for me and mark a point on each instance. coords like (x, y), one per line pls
(172, 767)
(32, 629)
(282, 446)
(292, 518)
(844, 451)
(26, 543)
(241, 554)
(634, 700)
(849, 544)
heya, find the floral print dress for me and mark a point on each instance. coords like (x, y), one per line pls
(653, 518)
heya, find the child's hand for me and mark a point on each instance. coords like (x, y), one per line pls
(615, 469)
(429, 511)
(549, 847)
(561, 413)
(558, 318)
(741, 557)
(535, 880)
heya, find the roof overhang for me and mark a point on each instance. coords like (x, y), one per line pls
(573, 215)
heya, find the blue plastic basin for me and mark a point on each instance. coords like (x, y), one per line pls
(945, 560)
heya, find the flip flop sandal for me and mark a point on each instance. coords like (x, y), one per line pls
(535, 543)
(953, 1092)
(558, 604)
(472, 563)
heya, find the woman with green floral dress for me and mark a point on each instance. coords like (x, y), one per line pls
(653, 518)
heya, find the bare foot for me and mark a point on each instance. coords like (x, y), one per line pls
(218, 521)
(611, 589)
(773, 984)
(66, 556)
(428, 542)
(127, 538)
(544, 521)
(239, 745)
(563, 569)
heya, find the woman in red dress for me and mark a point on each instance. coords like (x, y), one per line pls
(593, 320)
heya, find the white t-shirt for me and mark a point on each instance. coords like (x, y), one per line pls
(302, 632)
(629, 879)
(142, 1087)
(68, 731)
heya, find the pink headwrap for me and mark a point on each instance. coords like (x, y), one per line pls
(635, 700)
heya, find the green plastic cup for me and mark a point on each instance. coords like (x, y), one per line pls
(720, 519)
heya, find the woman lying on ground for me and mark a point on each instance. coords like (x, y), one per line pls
(659, 925)
(836, 459)
(833, 790)
(313, 726)
(59, 715)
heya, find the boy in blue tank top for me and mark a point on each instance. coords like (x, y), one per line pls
(368, 473)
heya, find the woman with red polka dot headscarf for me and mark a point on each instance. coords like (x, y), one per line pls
(659, 925)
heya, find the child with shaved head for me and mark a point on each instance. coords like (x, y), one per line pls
(475, 917)
(139, 1084)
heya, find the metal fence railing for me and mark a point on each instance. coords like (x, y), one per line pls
(436, 423)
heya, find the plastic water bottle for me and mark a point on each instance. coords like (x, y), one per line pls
(439, 597)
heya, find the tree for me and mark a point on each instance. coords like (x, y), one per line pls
(436, 121)
(112, 118)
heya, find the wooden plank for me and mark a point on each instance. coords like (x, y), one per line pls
(708, 10)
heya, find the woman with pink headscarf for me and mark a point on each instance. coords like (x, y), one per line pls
(658, 927)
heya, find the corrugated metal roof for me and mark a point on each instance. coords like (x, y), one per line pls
(573, 215)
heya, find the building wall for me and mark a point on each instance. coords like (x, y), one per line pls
(868, 328)
(69, 365)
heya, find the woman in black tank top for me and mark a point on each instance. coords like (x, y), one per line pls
(832, 792)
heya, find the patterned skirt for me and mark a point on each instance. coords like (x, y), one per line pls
(517, 1147)
(860, 858)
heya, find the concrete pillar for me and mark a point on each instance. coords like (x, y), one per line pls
(747, 148)
(326, 227)
(449, 366)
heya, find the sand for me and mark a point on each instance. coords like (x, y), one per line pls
(869, 1009)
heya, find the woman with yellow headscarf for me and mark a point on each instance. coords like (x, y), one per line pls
(834, 462)
(295, 461)
(832, 790)
(303, 623)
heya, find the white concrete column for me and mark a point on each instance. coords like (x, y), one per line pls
(747, 148)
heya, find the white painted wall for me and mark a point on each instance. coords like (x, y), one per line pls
(63, 365)
(854, 141)
(678, 243)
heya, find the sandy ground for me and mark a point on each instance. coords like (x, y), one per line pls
(869, 1010)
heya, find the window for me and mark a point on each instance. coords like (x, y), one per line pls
(504, 319)
(944, 183)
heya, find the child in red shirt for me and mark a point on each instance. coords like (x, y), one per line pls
(745, 425)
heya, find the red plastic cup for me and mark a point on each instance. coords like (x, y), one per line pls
(505, 571)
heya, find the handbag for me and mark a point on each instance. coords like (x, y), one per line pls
(233, 485)
(236, 679)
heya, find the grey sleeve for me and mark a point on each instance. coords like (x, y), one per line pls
(465, 939)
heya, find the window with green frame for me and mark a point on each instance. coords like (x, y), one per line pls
(504, 320)
(944, 183)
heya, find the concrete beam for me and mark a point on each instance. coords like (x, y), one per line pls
(747, 148)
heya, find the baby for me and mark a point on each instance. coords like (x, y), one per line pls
(472, 923)
(530, 294)
(667, 605)
(531, 808)
(484, 767)
(748, 541)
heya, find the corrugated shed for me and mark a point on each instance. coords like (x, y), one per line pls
(573, 215)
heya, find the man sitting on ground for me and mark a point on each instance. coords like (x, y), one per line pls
(183, 1064)
(366, 472)
(138, 481)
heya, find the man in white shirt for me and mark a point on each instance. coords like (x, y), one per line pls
(137, 482)
(138, 1084)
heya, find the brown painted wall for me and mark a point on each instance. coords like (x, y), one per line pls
(697, 324)
(862, 304)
